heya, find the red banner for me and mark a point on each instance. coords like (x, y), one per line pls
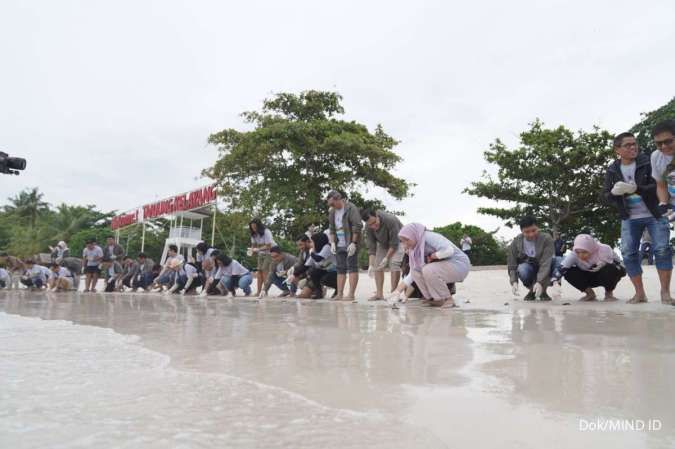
(183, 202)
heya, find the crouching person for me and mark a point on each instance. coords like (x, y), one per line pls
(278, 274)
(321, 268)
(60, 278)
(589, 265)
(434, 263)
(211, 275)
(36, 275)
(233, 275)
(5, 278)
(113, 274)
(144, 275)
(188, 278)
(531, 259)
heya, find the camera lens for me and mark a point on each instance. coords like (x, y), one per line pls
(16, 163)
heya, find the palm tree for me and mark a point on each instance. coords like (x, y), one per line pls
(68, 220)
(28, 204)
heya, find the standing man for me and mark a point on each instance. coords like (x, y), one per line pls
(345, 229)
(558, 244)
(531, 259)
(630, 187)
(93, 255)
(113, 251)
(384, 249)
(466, 243)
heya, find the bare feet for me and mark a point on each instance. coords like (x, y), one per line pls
(609, 296)
(637, 299)
(376, 298)
(349, 298)
(666, 298)
(589, 296)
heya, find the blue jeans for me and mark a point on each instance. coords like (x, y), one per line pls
(279, 282)
(243, 282)
(143, 280)
(167, 278)
(631, 232)
(527, 272)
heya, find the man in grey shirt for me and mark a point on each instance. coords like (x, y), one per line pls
(384, 249)
(345, 229)
(531, 258)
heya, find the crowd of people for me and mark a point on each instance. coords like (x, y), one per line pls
(422, 264)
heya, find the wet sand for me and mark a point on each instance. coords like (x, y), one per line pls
(145, 370)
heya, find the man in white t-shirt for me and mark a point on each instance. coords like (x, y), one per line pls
(663, 171)
(630, 187)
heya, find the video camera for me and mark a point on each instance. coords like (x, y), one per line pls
(11, 165)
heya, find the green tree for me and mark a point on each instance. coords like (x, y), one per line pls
(28, 205)
(68, 220)
(643, 130)
(555, 175)
(485, 249)
(296, 152)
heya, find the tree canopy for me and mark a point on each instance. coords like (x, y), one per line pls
(553, 174)
(485, 250)
(643, 130)
(296, 152)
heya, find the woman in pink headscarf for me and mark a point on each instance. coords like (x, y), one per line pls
(434, 263)
(591, 264)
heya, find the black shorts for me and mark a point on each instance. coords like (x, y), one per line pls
(92, 270)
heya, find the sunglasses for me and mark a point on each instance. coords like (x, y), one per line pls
(666, 142)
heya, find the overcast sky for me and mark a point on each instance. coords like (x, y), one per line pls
(111, 103)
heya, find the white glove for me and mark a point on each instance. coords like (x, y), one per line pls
(396, 297)
(290, 279)
(383, 264)
(623, 188)
(333, 248)
(598, 267)
(262, 294)
(514, 289)
(249, 252)
(173, 289)
(203, 293)
(371, 271)
(538, 289)
(556, 290)
(351, 249)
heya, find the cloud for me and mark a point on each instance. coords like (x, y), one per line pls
(112, 103)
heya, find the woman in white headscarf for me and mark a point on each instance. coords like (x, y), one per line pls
(591, 264)
(60, 252)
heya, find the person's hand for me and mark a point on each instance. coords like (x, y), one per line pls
(597, 267)
(371, 271)
(262, 294)
(514, 289)
(623, 188)
(333, 248)
(383, 264)
(537, 289)
(396, 296)
(351, 249)
(664, 208)
(290, 279)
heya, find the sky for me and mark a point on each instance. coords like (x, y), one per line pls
(111, 103)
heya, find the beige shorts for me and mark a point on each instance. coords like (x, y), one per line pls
(264, 262)
(68, 283)
(394, 262)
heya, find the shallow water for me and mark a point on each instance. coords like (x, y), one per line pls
(146, 371)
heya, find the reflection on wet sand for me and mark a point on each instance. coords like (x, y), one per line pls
(547, 365)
